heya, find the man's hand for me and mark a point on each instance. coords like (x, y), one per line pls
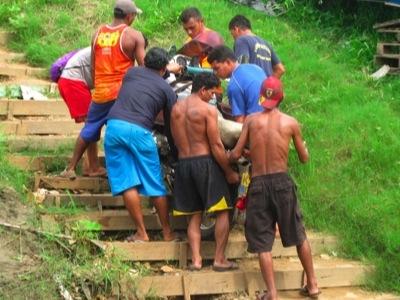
(232, 177)
(174, 68)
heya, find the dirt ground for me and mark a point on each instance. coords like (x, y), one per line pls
(17, 248)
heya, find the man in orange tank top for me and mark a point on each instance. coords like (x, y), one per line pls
(115, 48)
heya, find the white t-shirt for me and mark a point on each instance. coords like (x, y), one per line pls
(79, 67)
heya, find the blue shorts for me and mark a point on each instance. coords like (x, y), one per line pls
(132, 159)
(96, 118)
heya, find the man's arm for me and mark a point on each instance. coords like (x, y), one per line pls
(133, 45)
(217, 148)
(168, 108)
(278, 70)
(240, 119)
(299, 143)
(236, 152)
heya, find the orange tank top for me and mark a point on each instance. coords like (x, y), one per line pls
(111, 63)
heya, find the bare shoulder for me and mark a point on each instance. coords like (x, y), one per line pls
(289, 120)
(132, 33)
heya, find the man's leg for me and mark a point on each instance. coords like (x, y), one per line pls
(80, 147)
(161, 205)
(304, 253)
(194, 236)
(132, 203)
(221, 237)
(267, 271)
(94, 168)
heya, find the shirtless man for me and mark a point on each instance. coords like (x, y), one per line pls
(203, 171)
(115, 48)
(271, 195)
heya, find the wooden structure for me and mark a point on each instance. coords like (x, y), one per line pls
(388, 52)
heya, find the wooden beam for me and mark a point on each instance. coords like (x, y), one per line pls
(92, 184)
(89, 200)
(21, 71)
(9, 127)
(111, 220)
(236, 248)
(18, 143)
(48, 127)
(4, 37)
(39, 108)
(288, 274)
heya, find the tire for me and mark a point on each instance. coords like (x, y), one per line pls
(207, 226)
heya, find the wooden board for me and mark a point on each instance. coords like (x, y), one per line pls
(388, 48)
(236, 248)
(92, 184)
(288, 276)
(48, 127)
(21, 71)
(90, 200)
(18, 143)
(4, 37)
(112, 220)
(9, 127)
(38, 108)
(387, 24)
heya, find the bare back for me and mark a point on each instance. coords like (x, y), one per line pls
(132, 44)
(269, 136)
(189, 127)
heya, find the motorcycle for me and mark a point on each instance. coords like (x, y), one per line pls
(230, 132)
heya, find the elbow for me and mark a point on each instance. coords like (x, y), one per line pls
(304, 158)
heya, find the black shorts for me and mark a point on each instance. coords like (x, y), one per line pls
(272, 199)
(200, 185)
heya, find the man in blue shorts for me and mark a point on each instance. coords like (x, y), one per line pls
(203, 171)
(252, 49)
(244, 85)
(132, 159)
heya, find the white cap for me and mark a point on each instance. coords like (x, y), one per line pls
(127, 7)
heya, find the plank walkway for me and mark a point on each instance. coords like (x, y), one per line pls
(288, 276)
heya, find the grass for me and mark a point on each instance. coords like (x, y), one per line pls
(351, 186)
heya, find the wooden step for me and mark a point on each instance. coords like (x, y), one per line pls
(180, 251)
(119, 219)
(101, 201)
(9, 57)
(45, 127)
(27, 108)
(19, 143)
(22, 71)
(342, 293)
(288, 276)
(89, 184)
(42, 163)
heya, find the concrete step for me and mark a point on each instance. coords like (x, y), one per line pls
(288, 276)
(180, 251)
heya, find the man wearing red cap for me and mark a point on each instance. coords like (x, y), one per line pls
(272, 192)
(201, 39)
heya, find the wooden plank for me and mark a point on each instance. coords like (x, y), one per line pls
(21, 71)
(48, 127)
(9, 127)
(18, 143)
(390, 23)
(236, 248)
(391, 60)
(3, 108)
(39, 108)
(111, 220)
(92, 184)
(287, 277)
(89, 200)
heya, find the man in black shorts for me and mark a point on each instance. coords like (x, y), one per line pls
(203, 171)
(272, 193)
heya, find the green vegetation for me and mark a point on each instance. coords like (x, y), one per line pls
(351, 186)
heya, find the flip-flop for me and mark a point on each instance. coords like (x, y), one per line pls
(262, 296)
(194, 268)
(304, 292)
(70, 174)
(229, 267)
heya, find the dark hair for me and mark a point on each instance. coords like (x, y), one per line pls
(190, 12)
(221, 54)
(239, 21)
(119, 14)
(156, 59)
(206, 80)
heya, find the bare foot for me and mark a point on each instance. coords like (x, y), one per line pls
(100, 172)
(135, 238)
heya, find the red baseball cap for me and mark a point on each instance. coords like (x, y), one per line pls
(271, 93)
